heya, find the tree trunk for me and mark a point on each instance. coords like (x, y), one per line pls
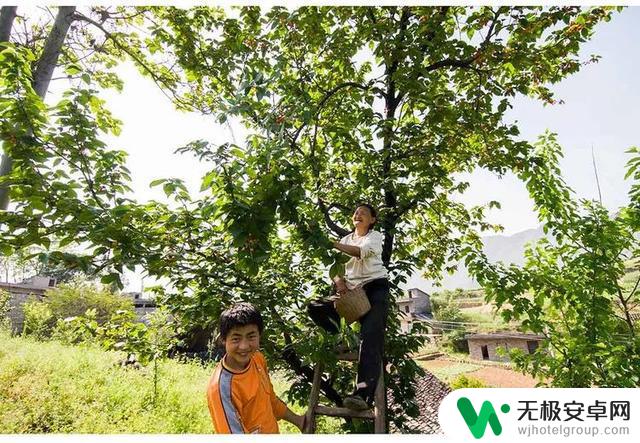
(52, 48)
(7, 15)
(392, 99)
(5, 169)
(43, 73)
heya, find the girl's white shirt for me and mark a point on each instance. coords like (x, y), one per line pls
(359, 271)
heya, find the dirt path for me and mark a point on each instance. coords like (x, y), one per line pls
(502, 378)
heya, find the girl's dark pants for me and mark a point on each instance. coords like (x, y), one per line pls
(372, 327)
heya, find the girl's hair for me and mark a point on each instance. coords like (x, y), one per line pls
(373, 212)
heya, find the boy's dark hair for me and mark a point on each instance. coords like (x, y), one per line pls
(240, 314)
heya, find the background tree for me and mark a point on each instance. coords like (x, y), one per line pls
(571, 289)
(43, 72)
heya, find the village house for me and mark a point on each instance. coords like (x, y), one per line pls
(20, 293)
(416, 306)
(484, 346)
(35, 288)
(142, 304)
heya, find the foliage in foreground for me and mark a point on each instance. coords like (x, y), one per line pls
(50, 387)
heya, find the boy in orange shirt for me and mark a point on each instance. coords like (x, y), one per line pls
(240, 395)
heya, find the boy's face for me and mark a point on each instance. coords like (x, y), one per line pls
(240, 344)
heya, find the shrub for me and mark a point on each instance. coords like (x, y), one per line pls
(37, 319)
(446, 308)
(64, 311)
(455, 340)
(124, 333)
(462, 381)
(121, 332)
(78, 296)
(73, 330)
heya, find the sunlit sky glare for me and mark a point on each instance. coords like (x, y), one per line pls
(600, 111)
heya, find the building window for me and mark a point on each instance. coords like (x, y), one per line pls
(532, 345)
(485, 352)
(52, 282)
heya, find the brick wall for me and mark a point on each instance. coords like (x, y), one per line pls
(475, 347)
(16, 314)
(421, 301)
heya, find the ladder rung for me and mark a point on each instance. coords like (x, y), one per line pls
(344, 412)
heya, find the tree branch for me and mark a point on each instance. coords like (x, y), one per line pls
(322, 102)
(341, 232)
(156, 79)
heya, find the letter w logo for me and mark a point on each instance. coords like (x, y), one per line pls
(477, 423)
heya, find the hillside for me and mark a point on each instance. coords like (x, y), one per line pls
(499, 248)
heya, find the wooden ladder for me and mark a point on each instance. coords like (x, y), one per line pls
(377, 413)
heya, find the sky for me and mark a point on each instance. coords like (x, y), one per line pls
(600, 112)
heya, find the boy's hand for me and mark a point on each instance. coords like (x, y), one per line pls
(297, 420)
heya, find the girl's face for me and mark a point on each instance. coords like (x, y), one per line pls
(363, 216)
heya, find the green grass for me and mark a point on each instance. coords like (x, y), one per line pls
(487, 321)
(629, 280)
(48, 387)
(450, 372)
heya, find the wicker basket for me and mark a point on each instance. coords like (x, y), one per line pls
(352, 305)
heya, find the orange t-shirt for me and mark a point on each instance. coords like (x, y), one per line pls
(244, 402)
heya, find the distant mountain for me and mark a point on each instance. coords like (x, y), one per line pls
(507, 249)
(510, 249)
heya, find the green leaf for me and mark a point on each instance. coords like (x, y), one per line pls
(72, 69)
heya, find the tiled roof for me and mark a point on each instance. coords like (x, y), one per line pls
(429, 394)
(22, 288)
